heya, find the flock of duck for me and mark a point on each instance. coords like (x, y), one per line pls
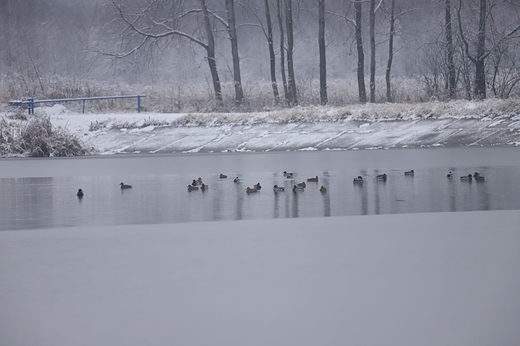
(198, 184)
(301, 186)
(477, 176)
(382, 177)
(123, 186)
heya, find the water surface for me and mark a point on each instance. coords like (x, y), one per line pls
(159, 195)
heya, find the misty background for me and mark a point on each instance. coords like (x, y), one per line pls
(73, 48)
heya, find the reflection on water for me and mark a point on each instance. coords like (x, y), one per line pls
(28, 203)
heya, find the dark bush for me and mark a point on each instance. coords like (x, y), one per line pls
(38, 138)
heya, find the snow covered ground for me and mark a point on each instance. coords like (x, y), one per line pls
(407, 280)
(372, 126)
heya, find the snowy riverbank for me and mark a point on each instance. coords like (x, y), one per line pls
(372, 126)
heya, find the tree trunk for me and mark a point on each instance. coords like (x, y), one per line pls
(372, 51)
(210, 49)
(389, 97)
(466, 75)
(282, 49)
(5, 27)
(480, 73)
(360, 53)
(239, 93)
(272, 60)
(449, 51)
(323, 60)
(293, 99)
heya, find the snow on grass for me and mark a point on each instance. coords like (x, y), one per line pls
(488, 109)
(300, 128)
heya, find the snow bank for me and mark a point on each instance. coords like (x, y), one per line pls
(459, 109)
(372, 126)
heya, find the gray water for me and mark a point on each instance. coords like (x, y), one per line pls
(37, 193)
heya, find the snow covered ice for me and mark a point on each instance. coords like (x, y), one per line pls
(416, 279)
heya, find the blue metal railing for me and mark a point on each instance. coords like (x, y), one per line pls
(31, 102)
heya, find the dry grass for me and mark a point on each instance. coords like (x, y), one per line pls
(38, 138)
(193, 98)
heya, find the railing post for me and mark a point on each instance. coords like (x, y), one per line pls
(31, 106)
(83, 106)
(138, 103)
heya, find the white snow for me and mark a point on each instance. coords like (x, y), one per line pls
(417, 279)
(456, 123)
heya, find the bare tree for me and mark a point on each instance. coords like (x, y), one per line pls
(272, 60)
(279, 10)
(239, 93)
(148, 29)
(394, 16)
(267, 30)
(391, 35)
(291, 90)
(480, 72)
(321, 44)
(210, 49)
(173, 43)
(372, 15)
(451, 81)
(372, 24)
(5, 32)
(360, 53)
(506, 72)
(482, 53)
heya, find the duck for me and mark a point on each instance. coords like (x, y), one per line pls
(323, 189)
(468, 177)
(204, 187)
(288, 175)
(302, 185)
(358, 180)
(410, 172)
(257, 186)
(449, 175)
(236, 180)
(381, 177)
(199, 180)
(192, 188)
(194, 182)
(80, 193)
(313, 179)
(222, 176)
(125, 186)
(277, 188)
(478, 177)
(250, 190)
(298, 188)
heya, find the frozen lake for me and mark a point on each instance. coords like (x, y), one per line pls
(39, 193)
(400, 280)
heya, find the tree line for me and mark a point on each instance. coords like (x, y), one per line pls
(457, 48)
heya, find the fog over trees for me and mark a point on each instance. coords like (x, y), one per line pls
(257, 53)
